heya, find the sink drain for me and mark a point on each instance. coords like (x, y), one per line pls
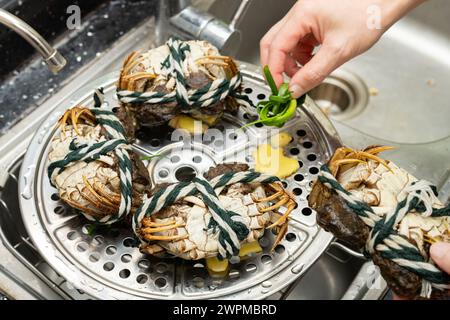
(185, 174)
(342, 95)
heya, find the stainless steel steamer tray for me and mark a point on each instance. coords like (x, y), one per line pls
(106, 265)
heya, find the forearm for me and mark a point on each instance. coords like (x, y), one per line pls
(394, 10)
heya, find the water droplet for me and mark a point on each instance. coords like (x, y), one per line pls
(106, 16)
(24, 97)
(296, 269)
(89, 34)
(267, 284)
(26, 193)
(78, 59)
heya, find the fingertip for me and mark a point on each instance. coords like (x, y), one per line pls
(278, 78)
(296, 90)
(440, 253)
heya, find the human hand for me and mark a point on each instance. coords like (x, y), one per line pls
(440, 254)
(339, 26)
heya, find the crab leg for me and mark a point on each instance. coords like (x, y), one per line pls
(165, 228)
(75, 114)
(97, 204)
(429, 239)
(379, 149)
(63, 121)
(84, 209)
(283, 218)
(348, 161)
(98, 201)
(113, 198)
(375, 158)
(148, 223)
(269, 198)
(135, 77)
(227, 62)
(281, 233)
(165, 238)
(280, 203)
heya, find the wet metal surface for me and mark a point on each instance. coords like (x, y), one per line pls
(22, 90)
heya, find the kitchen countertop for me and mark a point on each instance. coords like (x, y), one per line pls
(26, 88)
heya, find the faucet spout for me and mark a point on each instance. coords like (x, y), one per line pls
(54, 60)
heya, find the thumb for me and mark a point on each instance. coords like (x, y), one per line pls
(440, 253)
(314, 72)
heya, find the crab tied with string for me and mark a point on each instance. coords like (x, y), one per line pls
(375, 206)
(93, 167)
(213, 216)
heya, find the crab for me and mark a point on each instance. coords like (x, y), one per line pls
(91, 187)
(181, 229)
(146, 72)
(381, 184)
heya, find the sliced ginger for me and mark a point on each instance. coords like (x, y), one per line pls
(217, 268)
(189, 124)
(281, 140)
(271, 159)
(249, 248)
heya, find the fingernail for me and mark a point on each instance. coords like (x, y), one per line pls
(439, 250)
(296, 91)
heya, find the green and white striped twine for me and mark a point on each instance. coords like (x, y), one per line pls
(384, 238)
(228, 224)
(210, 94)
(117, 143)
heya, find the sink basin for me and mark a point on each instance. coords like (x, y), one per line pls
(394, 94)
(338, 273)
(407, 70)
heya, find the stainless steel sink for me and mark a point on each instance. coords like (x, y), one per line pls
(24, 274)
(395, 94)
(405, 87)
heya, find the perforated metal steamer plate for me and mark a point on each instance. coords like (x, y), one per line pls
(106, 265)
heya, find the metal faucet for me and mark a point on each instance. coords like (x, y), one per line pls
(54, 60)
(178, 17)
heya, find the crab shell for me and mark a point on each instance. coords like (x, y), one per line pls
(93, 187)
(379, 184)
(181, 229)
(144, 72)
(192, 218)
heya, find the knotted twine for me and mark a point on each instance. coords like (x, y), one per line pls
(229, 225)
(384, 238)
(116, 142)
(206, 96)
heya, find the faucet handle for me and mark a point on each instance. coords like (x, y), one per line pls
(197, 24)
